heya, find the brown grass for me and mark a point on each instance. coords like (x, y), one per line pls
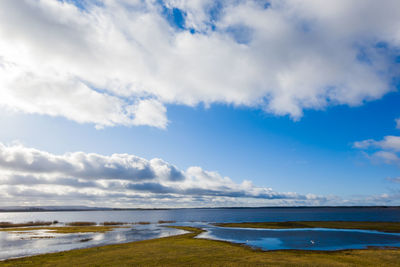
(65, 229)
(12, 225)
(114, 223)
(81, 224)
(143, 223)
(161, 221)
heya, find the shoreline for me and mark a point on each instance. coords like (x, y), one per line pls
(387, 227)
(60, 209)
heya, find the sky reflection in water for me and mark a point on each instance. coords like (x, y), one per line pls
(26, 243)
(308, 239)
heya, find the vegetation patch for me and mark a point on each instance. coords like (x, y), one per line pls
(390, 227)
(85, 240)
(114, 223)
(66, 229)
(26, 224)
(142, 223)
(81, 223)
(161, 221)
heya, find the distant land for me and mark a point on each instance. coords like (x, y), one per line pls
(87, 208)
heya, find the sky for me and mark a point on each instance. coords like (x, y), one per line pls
(200, 103)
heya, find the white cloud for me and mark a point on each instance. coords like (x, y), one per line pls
(121, 62)
(150, 112)
(32, 175)
(389, 142)
(386, 150)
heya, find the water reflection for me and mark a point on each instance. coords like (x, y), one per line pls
(305, 239)
(27, 243)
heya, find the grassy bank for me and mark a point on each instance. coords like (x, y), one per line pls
(184, 250)
(390, 227)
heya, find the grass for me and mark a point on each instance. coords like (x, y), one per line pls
(390, 227)
(37, 223)
(161, 221)
(81, 223)
(113, 223)
(65, 229)
(142, 223)
(184, 250)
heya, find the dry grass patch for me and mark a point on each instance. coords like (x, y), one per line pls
(161, 221)
(81, 224)
(26, 224)
(114, 223)
(65, 229)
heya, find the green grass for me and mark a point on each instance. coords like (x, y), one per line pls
(184, 250)
(390, 227)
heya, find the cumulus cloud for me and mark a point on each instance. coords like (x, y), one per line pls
(31, 175)
(388, 143)
(121, 62)
(88, 166)
(386, 150)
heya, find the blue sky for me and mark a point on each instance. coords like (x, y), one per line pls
(289, 124)
(314, 154)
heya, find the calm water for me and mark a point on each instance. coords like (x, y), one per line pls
(37, 242)
(27, 243)
(309, 239)
(213, 215)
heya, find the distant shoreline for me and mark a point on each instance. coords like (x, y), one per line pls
(60, 209)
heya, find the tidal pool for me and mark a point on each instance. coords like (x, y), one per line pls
(303, 239)
(27, 243)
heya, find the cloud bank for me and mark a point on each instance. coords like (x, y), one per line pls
(118, 62)
(31, 176)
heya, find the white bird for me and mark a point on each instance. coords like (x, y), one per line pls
(312, 242)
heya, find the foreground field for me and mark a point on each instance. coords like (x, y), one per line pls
(185, 250)
(390, 227)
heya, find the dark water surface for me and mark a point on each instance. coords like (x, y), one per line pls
(213, 215)
(37, 242)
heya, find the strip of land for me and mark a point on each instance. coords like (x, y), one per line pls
(389, 227)
(185, 250)
(65, 229)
